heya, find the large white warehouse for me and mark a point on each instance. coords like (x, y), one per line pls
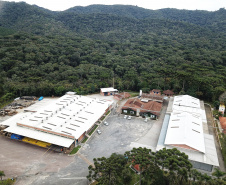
(185, 128)
(63, 122)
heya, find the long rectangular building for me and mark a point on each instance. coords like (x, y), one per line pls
(62, 122)
(184, 128)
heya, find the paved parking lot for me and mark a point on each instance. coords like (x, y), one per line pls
(116, 137)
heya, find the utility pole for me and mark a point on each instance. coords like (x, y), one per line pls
(113, 80)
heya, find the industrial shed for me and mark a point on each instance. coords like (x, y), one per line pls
(184, 128)
(108, 91)
(63, 122)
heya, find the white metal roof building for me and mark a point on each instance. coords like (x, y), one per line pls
(186, 101)
(183, 128)
(109, 89)
(61, 122)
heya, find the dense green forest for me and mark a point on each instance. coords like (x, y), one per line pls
(84, 48)
(165, 167)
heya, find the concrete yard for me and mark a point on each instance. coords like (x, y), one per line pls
(25, 161)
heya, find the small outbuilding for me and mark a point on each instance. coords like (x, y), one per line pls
(222, 108)
(155, 92)
(168, 93)
(108, 91)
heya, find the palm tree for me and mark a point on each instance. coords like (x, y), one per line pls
(2, 174)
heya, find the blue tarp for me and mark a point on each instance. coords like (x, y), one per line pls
(41, 98)
(16, 137)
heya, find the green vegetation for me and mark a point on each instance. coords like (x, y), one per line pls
(84, 140)
(167, 166)
(82, 49)
(75, 150)
(7, 182)
(94, 128)
(223, 145)
(2, 174)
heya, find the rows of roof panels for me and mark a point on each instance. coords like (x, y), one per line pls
(69, 116)
(186, 129)
(186, 101)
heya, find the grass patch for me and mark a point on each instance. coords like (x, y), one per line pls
(75, 150)
(94, 183)
(105, 115)
(93, 130)
(7, 182)
(84, 140)
(5, 103)
(134, 94)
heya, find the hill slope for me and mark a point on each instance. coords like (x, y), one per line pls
(82, 49)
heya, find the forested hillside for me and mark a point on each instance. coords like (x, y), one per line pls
(82, 49)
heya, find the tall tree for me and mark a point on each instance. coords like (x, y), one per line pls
(2, 174)
(107, 170)
(141, 158)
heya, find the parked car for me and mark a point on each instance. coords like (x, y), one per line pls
(129, 117)
(99, 132)
(125, 116)
(106, 123)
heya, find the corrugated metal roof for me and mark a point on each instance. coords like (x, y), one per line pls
(69, 116)
(109, 89)
(187, 101)
(185, 129)
(209, 157)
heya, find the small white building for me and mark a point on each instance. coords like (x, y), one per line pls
(222, 108)
(108, 91)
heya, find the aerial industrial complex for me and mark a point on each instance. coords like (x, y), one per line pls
(64, 122)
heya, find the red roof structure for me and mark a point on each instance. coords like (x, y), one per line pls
(152, 97)
(150, 106)
(168, 92)
(223, 123)
(122, 95)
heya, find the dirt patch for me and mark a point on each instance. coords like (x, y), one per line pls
(19, 159)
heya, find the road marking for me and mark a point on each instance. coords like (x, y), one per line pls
(85, 159)
(46, 151)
